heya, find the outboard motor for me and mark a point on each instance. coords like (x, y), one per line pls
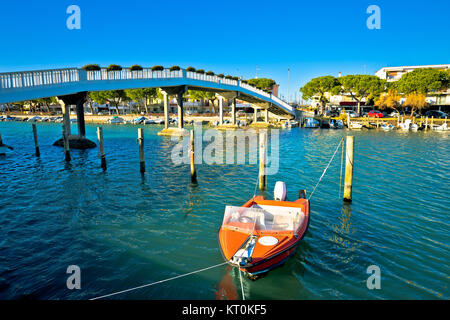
(279, 192)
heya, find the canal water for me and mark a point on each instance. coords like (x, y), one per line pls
(124, 229)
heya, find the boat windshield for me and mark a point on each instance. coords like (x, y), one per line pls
(263, 218)
(241, 219)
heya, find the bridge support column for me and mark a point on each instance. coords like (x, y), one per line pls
(180, 110)
(166, 109)
(171, 131)
(255, 114)
(79, 141)
(233, 112)
(220, 110)
(266, 115)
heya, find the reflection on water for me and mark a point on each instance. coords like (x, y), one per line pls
(125, 229)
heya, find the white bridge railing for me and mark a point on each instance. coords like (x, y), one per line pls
(28, 79)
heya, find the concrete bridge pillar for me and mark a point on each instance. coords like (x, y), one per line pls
(180, 110)
(78, 100)
(220, 110)
(166, 109)
(233, 112)
(266, 115)
(255, 114)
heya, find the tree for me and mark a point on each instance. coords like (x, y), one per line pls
(425, 81)
(202, 95)
(389, 100)
(46, 102)
(415, 100)
(144, 94)
(114, 97)
(320, 87)
(362, 86)
(263, 83)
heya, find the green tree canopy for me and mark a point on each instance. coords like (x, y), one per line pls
(424, 81)
(142, 95)
(114, 97)
(264, 83)
(320, 87)
(362, 86)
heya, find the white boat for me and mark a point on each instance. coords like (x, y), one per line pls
(34, 119)
(442, 127)
(311, 123)
(405, 126)
(414, 127)
(355, 125)
(149, 121)
(336, 124)
(159, 121)
(387, 127)
(116, 120)
(139, 120)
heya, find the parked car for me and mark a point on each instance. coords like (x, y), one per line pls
(332, 113)
(436, 114)
(352, 113)
(375, 114)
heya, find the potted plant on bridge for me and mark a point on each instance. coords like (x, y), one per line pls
(221, 75)
(175, 68)
(228, 77)
(91, 67)
(190, 69)
(201, 71)
(209, 73)
(114, 67)
(136, 67)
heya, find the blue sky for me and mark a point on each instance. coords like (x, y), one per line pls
(311, 38)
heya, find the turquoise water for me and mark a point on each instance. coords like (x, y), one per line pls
(124, 229)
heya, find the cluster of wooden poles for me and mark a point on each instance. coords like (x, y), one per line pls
(348, 181)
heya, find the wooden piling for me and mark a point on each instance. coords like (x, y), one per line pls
(102, 148)
(192, 158)
(141, 149)
(66, 142)
(431, 125)
(262, 160)
(1, 141)
(36, 145)
(348, 182)
(426, 123)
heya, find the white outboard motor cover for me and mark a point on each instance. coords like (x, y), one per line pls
(279, 192)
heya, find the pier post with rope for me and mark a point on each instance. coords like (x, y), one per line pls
(262, 160)
(101, 146)
(348, 180)
(141, 149)
(192, 159)
(65, 133)
(36, 145)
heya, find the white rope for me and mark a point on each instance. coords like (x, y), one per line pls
(320, 179)
(157, 282)
(242, 285)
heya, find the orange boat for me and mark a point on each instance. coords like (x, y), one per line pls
(263, 234)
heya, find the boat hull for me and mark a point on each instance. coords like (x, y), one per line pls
(264, 257)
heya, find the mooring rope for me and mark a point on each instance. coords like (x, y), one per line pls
(242, 285)
(157, 282)
(324, 171)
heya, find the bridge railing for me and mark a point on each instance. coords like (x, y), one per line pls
(281, 102)
(127, 74)
(255, 90)
(37, 78)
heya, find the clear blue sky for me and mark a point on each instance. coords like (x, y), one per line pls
(312, 38)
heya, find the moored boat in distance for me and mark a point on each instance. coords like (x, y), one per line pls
(311, 123)
(116, 120)
(355, 125)
(387, 127)
(262, 234)
(336, 124)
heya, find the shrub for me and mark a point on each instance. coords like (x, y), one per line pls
(136, 67)
(91, 67)
(221, 75)
(209, 73)
(191, 69)
(114, 67)
(174, 68)
(244, 81)
(228, 76)
(157, 68)
(201, 71)
(235, 78)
